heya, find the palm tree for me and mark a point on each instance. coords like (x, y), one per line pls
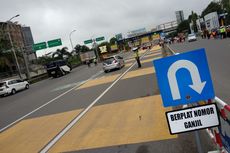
(62, 53)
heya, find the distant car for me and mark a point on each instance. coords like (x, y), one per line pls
(12, 86)
(192, 37)
(113, 62)
(58, 68)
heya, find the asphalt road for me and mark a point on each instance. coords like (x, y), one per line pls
(218, 53)
(15, 106)
(129, 117)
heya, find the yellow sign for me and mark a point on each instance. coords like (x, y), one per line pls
(144, 40)
(155, 36)
(137, 43)
(114, 48)
(103, 49)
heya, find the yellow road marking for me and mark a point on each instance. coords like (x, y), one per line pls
(146, 56)
(111, 78)
(99, 81)
(127, 122)
(31, 135)
(139, 72)
(143, 61)
(154, 48)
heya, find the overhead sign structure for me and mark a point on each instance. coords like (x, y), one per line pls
(100, 38)
(39, 46)
(184, 78)
(88, 41)
(191, 119)
(54, 43)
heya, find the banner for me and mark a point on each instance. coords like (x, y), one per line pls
(103, 49)
(114, 48)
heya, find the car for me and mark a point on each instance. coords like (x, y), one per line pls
(192, 37)
(113, 62)
(12, 86)
(58, 68)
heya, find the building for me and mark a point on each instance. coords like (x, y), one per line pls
(167, 27)
(14, 31)
(136, 32)
(179, 16)
(211, 21)
(28, 43)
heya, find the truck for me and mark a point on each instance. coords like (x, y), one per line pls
(87, 56)
(58, 68)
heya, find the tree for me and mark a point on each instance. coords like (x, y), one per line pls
(113, 41)
(85, 48)
(192, 19)
(183, 26)
(62, 53)
(212, 7)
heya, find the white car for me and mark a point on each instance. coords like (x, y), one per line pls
(12, 86)
(192, 37)
(113, 62)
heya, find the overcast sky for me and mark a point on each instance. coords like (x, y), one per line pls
(51, 19)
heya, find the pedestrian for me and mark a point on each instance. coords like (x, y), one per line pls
(137, 57)
(88, 63)
(95, 61)
(228, 31)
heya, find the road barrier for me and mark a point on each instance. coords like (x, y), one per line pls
(219, 135)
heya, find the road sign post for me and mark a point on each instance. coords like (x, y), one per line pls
(54, 43)
(86, 42)
(100, 38)
(184, 78)
(191, 119)
(39, 46)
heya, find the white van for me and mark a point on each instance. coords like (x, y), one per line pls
(12, 86)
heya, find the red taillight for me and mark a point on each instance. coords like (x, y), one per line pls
(115, 61)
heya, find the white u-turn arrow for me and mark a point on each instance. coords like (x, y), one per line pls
(197, 85)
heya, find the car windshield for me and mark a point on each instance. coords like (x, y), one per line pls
(109, 60)
(191, 35)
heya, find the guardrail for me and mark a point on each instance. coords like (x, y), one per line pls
(219, 135)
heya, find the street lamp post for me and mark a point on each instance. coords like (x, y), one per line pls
(70, 38)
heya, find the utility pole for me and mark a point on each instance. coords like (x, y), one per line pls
(12, 46)
(95, 45)
(15, 56)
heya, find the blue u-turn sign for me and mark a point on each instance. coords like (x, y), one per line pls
(184, 78)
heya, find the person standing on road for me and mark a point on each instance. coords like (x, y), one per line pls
(88, 63)
(95, 61)
(137, 56)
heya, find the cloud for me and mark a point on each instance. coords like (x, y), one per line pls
(91, 18)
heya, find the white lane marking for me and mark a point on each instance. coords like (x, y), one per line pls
(35, 110)
(66, 86)
(78, 117)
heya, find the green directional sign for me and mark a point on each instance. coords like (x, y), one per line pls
(88, 41)
(100, 38)
(39, 46)
(54, 43)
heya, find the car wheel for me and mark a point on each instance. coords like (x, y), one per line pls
(13, 91)
(27, 86)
